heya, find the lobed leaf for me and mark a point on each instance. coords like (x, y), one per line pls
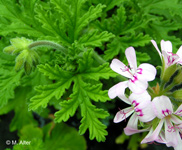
(95, 39)
(9, 80)
(47, 92)
(101, 72)
(54, 73)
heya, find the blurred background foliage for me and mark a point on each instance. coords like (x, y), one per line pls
(93, 32)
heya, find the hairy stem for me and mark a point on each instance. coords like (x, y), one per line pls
(47, 44)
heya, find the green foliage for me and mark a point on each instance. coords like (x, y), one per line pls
(26, 58)
(56, 137)
(82, 94)
(72, 81)
(9, 81)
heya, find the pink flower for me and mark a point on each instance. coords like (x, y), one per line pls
(171, 120)
(138, 77)
(141, 109)
(169, 57)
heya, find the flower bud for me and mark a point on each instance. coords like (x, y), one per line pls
(177, 94)
(28, 59)
(17, 45)
(168, 73)
(9, 49)
(178, 78)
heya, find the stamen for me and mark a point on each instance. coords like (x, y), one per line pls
(134, 102)
(178, 112)
(153, 142)
(127, 68)
(139, 112)
(123, 113)
(166, 111)
(172, 58)
(171, 128)
(139, 70)
(135, 79)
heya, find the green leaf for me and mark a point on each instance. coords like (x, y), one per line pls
(32, 135)
(68, 108)
(110, 4)
(142, 57)
(100, 72)
(91, 121)
(92, 14)
(121, 43)
(47, 18)
(44, 139)
(89, 112)
(95, 92)
(47, 92)
(95, 39)
(54, 72)
(68, 138)
(75, 18)
(21, 110)
(15, 19)
(85, 62)
(119, 20)
(9, 80)
(156, 7)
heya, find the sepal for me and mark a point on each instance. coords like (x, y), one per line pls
(27, 59)
(17, 45)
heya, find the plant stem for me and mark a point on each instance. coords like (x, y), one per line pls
(150, 91)
(167, 88)
(47, 44)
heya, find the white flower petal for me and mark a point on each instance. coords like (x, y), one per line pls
(170, 134)
(155, 134)
(155, 45)
(176, 120)
(179, 146)
(179, 52)
(123, 114)
(163, 106)
(119, 90)
(147, 113)
(143, 106)
(133, 122)
(130, 131)
(137, 86)
(142, 99)
(166, 60)
(131, 127)
(131, 57)
(148, 135)
(117, 66)
(166, 46)
(161, 138)
(179, 111)
(147, 72)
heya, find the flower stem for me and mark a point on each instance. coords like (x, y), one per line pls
(47, 44)
(167, 89)
(150, 91)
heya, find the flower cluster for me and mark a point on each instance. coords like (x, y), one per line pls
(160, 115)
